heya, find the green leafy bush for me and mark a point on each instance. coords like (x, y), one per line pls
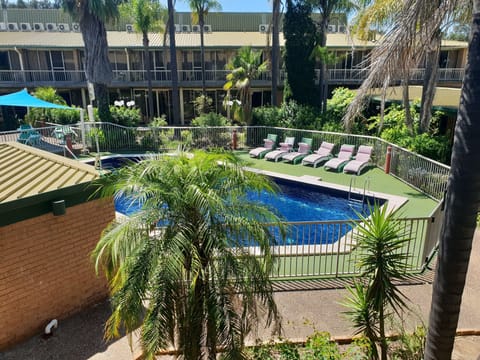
(319, 346)
(125, 116)
(211, 119)
(58, 116)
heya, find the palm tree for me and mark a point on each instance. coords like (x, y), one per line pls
(463, 189)
(461, 207)
(275, 49)
(326, 9)
(148, 16)
(173, 62)
(200, 9)
(92, 16)
(179, 268)
(382, 260)
(414, 28)
(246, 66)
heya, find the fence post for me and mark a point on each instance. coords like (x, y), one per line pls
(234, 139)
(388, 159)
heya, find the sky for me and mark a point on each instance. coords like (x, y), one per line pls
(232, 5)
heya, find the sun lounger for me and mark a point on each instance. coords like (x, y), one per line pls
(285, 148)
(269, 144)
(344, 156)
(362, 159)
(323, 153)
(304, 148)
(28, 135)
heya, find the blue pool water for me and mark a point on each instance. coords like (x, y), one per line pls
(298, 203)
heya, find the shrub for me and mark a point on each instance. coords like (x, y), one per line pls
(211, 119)
(125, 116)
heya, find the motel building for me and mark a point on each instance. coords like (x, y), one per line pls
(40, 48)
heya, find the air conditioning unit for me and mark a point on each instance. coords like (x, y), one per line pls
(38, 27)
(51, 26)
(263, 28)
(12, 26)
(207, 28)
(63, 27)
(178, 28)
(185, 28)
(129, 28)
(196, 28)
(342, 29)
(76, 27)
(331, 28)
(3, 27)
(25, 27)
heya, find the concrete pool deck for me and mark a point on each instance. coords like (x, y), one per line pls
(81, 336)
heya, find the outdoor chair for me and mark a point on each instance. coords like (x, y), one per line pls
(285, 148)
(304, 148)
(343, 156)
(362, 159)
(269, 144)
(28, 135)
(323, 153)
(61, 132)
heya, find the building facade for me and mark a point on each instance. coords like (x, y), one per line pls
(45, 48)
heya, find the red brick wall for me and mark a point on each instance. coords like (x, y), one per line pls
(46, 271)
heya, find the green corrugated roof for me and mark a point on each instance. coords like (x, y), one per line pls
(122, 39)
(26, 171)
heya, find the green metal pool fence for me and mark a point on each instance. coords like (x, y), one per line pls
(326, 251)
(329, 257)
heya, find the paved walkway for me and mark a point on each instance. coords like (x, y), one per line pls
(81, 336)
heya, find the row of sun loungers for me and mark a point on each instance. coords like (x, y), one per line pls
(344, 160)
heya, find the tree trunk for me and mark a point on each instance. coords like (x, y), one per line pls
(406, 102)
(430, 83)
(201, 22)
(275, 51)
(322, 83)
(461, 208)
(383, 339)
(98, 70)
(173, 65)
(148, 65)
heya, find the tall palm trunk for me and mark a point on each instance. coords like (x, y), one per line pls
(461, 204)
(148, 65)
(201, 22)
(97, 65)
(173, 64)
(430, 82)
(275, 50)
(323, 84)
(406, 101)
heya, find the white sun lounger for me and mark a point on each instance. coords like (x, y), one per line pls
(323, 153)
(285, 148)
(344, 156)
(362, 159)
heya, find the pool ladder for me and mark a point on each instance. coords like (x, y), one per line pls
(366, 187)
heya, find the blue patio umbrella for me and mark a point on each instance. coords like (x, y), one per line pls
(23, 98)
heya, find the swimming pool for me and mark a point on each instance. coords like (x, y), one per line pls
(303, 206)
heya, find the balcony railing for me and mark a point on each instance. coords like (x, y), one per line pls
(193, 77)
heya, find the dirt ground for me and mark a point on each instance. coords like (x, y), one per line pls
(81, 336)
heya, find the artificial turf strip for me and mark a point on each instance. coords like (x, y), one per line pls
(418, 205)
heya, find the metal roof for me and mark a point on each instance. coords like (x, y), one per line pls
(26, 171)
(122, 39)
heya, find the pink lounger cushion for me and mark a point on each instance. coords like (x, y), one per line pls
(344, 155)
(362, 159)
(323, 153)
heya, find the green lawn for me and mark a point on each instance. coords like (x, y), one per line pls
(418, 205)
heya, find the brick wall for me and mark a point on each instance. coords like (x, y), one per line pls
(46, 271)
